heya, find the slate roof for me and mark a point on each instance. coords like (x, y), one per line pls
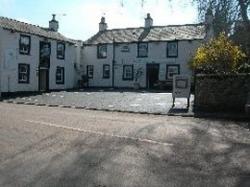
(155, 33)
(22, 27)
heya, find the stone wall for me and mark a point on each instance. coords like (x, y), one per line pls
(222, 93)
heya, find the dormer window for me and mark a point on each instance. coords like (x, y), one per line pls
(24, 45)
(142, 49)
(102, 51)
(60, 50)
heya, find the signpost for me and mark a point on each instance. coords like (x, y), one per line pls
(181, 88)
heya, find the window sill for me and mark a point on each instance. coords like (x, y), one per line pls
(23, 82)
(25, 54)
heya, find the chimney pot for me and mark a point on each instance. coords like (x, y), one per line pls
(53, 24)
(103, 25)
(148, 21)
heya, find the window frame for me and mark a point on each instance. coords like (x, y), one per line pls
(61, 81)
(64, 49)
(88, 68)
(172, 65)
(20, 81)
(99, 56)
(104, 76)
(177, 49)
(138, 50)
(29, 45)
(124, 73)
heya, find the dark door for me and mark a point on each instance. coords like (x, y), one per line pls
(44, 65)
(152, 75)
(43, 80)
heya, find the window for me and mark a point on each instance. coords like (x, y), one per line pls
(102, 51)
(172, 69)
(60, 50)
(142, 49)
(23, 73)
(128, 72)
(60, 75)
(172, 49)
(106, 71)
(24, 45)
(90, 71)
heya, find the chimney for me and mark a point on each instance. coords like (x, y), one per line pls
(102, 25)
(209, 24)
(53, 24)
(148, 21)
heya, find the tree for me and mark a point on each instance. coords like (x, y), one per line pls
(220, 55)
(226, 13)
(231, 17)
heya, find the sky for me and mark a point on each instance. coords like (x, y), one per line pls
(79, 19)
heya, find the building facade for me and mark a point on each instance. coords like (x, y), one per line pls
(33, 58)
(145, 56)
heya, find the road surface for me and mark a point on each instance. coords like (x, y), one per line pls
(43, 146)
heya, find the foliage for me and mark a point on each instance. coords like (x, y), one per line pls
(244, 68)
(218, 56)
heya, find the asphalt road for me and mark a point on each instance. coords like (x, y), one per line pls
(42, 146)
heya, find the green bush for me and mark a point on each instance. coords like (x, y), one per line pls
(217, 56)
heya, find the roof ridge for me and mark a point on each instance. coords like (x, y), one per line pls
(11, 19)
(21, 26)
(159, 26)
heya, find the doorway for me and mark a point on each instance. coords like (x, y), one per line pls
(152, 75)
(44, 65)
(43, 80)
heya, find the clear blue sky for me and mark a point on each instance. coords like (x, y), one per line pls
(82, 16)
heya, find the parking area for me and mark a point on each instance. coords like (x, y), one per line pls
(113, 100)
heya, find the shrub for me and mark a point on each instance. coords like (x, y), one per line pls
(217, 56)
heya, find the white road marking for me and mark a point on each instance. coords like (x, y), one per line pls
(135, 105)
(161, 104)
(98, 133)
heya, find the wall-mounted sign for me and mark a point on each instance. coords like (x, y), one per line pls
(125, 48)
(181, 87)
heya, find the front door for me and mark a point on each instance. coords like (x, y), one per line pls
(43, 80)
(44, 66)
(152, 75)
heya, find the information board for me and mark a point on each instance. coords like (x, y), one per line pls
(181, 87)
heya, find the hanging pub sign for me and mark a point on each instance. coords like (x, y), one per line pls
(181, 87)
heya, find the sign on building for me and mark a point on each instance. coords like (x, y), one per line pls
(181, 87)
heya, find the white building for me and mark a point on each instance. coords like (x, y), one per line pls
(33, 58)
(148, 55)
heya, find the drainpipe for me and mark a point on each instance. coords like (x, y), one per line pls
(113, 65)
(0, 79)
(1, 62)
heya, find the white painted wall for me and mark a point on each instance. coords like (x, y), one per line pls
(156, 54)
(90, 58)
(9, 41)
